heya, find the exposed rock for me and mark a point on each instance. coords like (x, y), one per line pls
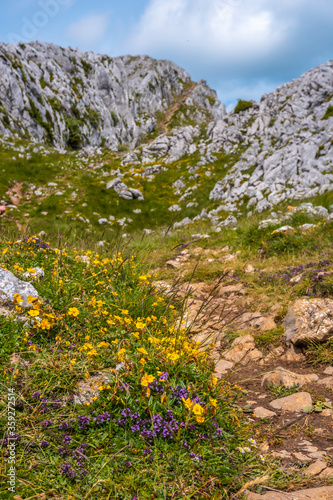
(34, 274)
(295, 402)
(249, 269)
(261, 412)
(316, 468)
(309, 320)
(293, 355)
(327, 382)
(231, 289)
(324, 493)
(10, 285)
(243, 350)
(222, 367)
(285, 378)
(328, 370)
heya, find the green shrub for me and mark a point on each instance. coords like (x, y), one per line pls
(243, 106)
(115, 117)
(93, 117)
(87, 67)
(73, 125)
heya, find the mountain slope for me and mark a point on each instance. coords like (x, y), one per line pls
(66, 97)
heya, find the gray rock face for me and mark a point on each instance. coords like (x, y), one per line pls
(66, 96)
(295, 157)
(10, 285)
(309, 320)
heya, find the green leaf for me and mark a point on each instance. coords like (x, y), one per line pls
(307, 409)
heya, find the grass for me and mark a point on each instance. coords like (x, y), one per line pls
(161, 424)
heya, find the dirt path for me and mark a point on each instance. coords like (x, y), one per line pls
(300, 438)
(15, 193)
(175, 107)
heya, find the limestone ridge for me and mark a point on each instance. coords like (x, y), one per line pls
(67, 97)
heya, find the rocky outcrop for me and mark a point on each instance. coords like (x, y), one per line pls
(10, 286)
(64, 96)
(287, 136)
(309, 320)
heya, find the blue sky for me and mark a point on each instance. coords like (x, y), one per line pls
(243, 48)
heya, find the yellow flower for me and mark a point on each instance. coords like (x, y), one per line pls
(124, 312)
(174, 356)
(197, 410)
(140, 325)
(73, 361)
(33, 313)
(18, 299)
(86, 375)
(45, 324)
(114, 341)
(73, 311)
(103, 344)
(214, 380)
(213, 402)
(142, 350)
(200, 420)
(147, 379)
(187, 402)
(142, 361)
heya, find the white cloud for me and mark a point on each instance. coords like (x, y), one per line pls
(219, 30)
(89, 30)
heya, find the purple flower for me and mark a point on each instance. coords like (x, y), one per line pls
(164, 376)
(67, 471)
(44, 443)
(67, 440)
(127, 464)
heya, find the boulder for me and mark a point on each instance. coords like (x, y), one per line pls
(309, 320)
(10, 285)
(295, 402)
(243, 350)
(285, 378)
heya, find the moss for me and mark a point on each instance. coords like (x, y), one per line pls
(87, 67)
(329, 113)
(37, 117)
(43, 83)
(115, 117)
(55, 104)
(243, 106)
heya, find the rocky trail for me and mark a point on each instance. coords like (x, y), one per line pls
(287, 400)
(164, 125)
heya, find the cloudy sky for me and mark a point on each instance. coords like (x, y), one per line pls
(243, 48)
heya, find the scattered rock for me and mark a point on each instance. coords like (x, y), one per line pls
(301, 457)
(262, 412)
(316, 468)
(285, 378)
(329, 370)
(243, 350)
(293, 355)
(249, 269)
(10, 285)
(327, 382)
(324, 493)
(222, 367)
(295, 402)
(309, 320)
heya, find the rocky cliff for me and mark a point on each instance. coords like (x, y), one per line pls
(66, 97)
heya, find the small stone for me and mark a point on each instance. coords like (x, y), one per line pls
(285, 378)
(326, 413)
(316, 468)
(295, 402)
(329, 370)
(222, 367)
(327, 382)
(243, 350)
(301, 457)
(261, 412)
(249, 269)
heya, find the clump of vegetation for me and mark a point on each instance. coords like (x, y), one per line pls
(36, 115)
(55, 104)
(74, 139)
(87, 67)
(329, 113)
(115, 117)
(93, 117)
(243, 106)
(157, 423)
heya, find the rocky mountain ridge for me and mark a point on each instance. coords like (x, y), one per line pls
(66, 97)
(151, 113)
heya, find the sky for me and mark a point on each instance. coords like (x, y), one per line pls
(242, 48)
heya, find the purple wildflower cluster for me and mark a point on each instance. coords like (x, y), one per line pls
(17, 437)
(37, 242)
(151, 427)
(315, 270)
(78, 457)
